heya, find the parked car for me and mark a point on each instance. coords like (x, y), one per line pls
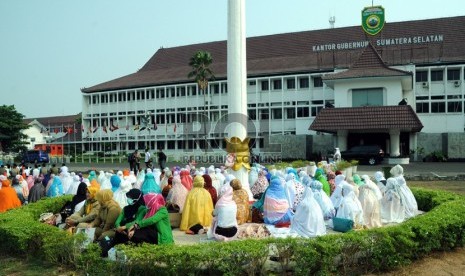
(35, 156)
(372, 154)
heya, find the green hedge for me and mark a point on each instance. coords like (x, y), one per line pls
(374, 250)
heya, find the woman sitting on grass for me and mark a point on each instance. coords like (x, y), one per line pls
(197, 212)
(224, 225)
(153, 224)
(87, 213)
(109, 211)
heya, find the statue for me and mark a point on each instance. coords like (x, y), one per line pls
(337, 155)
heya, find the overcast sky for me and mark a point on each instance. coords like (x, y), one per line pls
(50, 49)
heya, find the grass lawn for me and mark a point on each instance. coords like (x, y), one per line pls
(14, 266)
(450, 186)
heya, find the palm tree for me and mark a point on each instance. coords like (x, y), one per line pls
(201, 72)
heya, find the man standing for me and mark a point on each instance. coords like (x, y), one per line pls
(161, 159)
(148, 159)
(136, 161)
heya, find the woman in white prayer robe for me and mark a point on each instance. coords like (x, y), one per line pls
(106, 183)
(370, 197)
(101, 178)
(380, 181)
(308, 218)
(323, 199)
(392, 207)
(336, 196)
(409, 201)
(350, 207)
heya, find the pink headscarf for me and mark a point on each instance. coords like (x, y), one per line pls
(186, 179)
(227, 198)
(153, 202)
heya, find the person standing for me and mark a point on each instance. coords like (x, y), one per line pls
(148, 159)
(161, 159)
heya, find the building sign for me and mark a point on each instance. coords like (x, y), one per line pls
(373, 19)
(382, 42)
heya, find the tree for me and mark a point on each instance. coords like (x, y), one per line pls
(11, 126)
(201, 72)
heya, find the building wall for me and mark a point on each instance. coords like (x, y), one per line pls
(392, 90)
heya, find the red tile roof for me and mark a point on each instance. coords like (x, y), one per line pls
(369, 118)
(293, 53)
(56, 120)
(369, 64)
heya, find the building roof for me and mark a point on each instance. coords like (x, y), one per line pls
(309, 51)
(369, 64)
(55, 121)
(369, 118)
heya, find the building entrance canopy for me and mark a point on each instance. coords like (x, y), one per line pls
(367, 119)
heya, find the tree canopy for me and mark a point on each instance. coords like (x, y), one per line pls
(11, 126)
(201, 72)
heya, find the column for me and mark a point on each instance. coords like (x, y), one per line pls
(395, 142)
(237, 141)
(342, 139)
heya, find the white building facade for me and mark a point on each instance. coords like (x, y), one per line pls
(288, 85)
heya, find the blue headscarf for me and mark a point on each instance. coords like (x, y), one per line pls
(56, 188)
(115, 182)
(276, 208)
(149, 185)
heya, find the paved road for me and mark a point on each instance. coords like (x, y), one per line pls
(412, 169)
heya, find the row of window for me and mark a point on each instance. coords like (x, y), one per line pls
(438, 75)
(191, 90)
(439, 107)
(263, 114)
(277, 84)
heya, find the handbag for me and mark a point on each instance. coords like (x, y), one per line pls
(342, 224)
(48, 218)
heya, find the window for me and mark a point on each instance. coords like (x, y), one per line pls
(264, 115)
(367, 97)
(265, 85)
(316, 110)
(437, 75)
(302, 112)
(290, 83)
(215, 88)
(422, 107)
(303, 82)
(422, 98)
(290, 112)
(252, 83)
(453, 74)
(277, 113)
(224, 88)
(122, 97)
(421, 76)
(252, 114)
(438, 107)
(150, 94)
(317, 82)
(453, 107)
(277, 85)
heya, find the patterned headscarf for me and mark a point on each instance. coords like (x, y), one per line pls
(153, 202)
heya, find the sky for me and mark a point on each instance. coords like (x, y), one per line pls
(50, 49)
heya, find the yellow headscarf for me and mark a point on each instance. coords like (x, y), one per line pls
(199, 181)
(92, 191)
(104, 196)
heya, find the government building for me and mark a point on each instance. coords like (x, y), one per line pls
(307, 93)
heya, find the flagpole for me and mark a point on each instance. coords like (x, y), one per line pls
(75, 150)
(62, 146)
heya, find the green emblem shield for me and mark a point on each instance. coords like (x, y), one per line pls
(373, 19)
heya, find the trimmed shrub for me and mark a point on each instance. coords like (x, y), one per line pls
(355, 252)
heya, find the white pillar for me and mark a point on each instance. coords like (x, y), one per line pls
(342, 139)
(237, 80)
(395, 142)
